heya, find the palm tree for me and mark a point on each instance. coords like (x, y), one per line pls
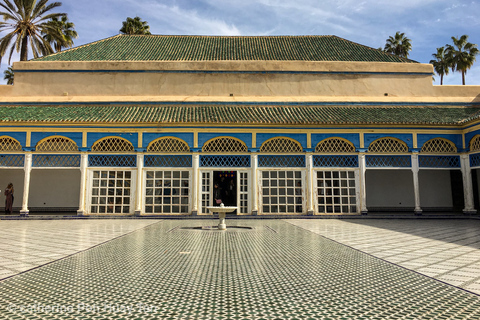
(440, 63)
(8, 75)
(462, 55)
(64, 33)
(26, 20)
(135, 26)
(398, 45)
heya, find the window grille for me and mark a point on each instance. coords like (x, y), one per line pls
(56, 161)
(113, 145)
(439, 145)
(112, 161)
(225, 144)
(335, 145)
(281, 161)
(335, 161)
(225, 161)
(336, 192)
(388, 145)
(475, 143)
(439, 161)
(168, 144)
(388, 161)
(111, 192)
(281, 145)
(475, 160)
(12, 160)
(9, 144)
(167, 192)
(183, 161)
(282, 192)
(56, 144)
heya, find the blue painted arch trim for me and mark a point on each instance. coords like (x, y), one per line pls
(455, 138)
(36, 137)
(185, 136)
(93, 137)
(206, 136)
(19, 136)
(405, 137)
(299, 137)
(352, 137)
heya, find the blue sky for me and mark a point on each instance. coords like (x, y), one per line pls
(428, 23)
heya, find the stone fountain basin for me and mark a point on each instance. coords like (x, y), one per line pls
(222, 209)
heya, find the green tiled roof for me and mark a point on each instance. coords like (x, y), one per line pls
(211, 48)
(166, 114)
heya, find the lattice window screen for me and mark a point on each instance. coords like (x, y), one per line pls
(9, 144)
(282, 145)
(12, 160)
(334, 161)
(388, 145)
(57, 144)
(439, 145)
(475, 143)
(225, 145)
(334, 145)
(113, 145)
(168, 144)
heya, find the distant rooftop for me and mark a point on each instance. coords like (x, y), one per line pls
(222, 48)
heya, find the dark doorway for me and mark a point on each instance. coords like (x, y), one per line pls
(457, 190)
(227, 183)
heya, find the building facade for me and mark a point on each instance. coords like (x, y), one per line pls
(315, 125)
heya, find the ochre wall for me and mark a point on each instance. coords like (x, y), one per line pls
(230, 80)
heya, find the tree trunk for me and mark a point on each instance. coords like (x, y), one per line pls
(441, 79)
(24, 49)
(463, 77)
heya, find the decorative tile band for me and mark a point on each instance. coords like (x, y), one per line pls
(281, 161)
(184, 161)
(55, 160)
(112, 161)
(225, 161)
(388, 161)
(439, 161)
(12, 160)
(475, 160)
(335, 161)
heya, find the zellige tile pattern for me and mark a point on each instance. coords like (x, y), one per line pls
(274, 271)
(28, 244)
(447, 250)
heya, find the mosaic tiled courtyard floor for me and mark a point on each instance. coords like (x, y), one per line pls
(275, 270)
(447, 250)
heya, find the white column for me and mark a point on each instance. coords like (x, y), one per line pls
(139, 193)
(26, 184)
(363, 191)
(83, 183)
(416, 185)
(195, 183)
(254, 185)
(310, 184)
(467, 184)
